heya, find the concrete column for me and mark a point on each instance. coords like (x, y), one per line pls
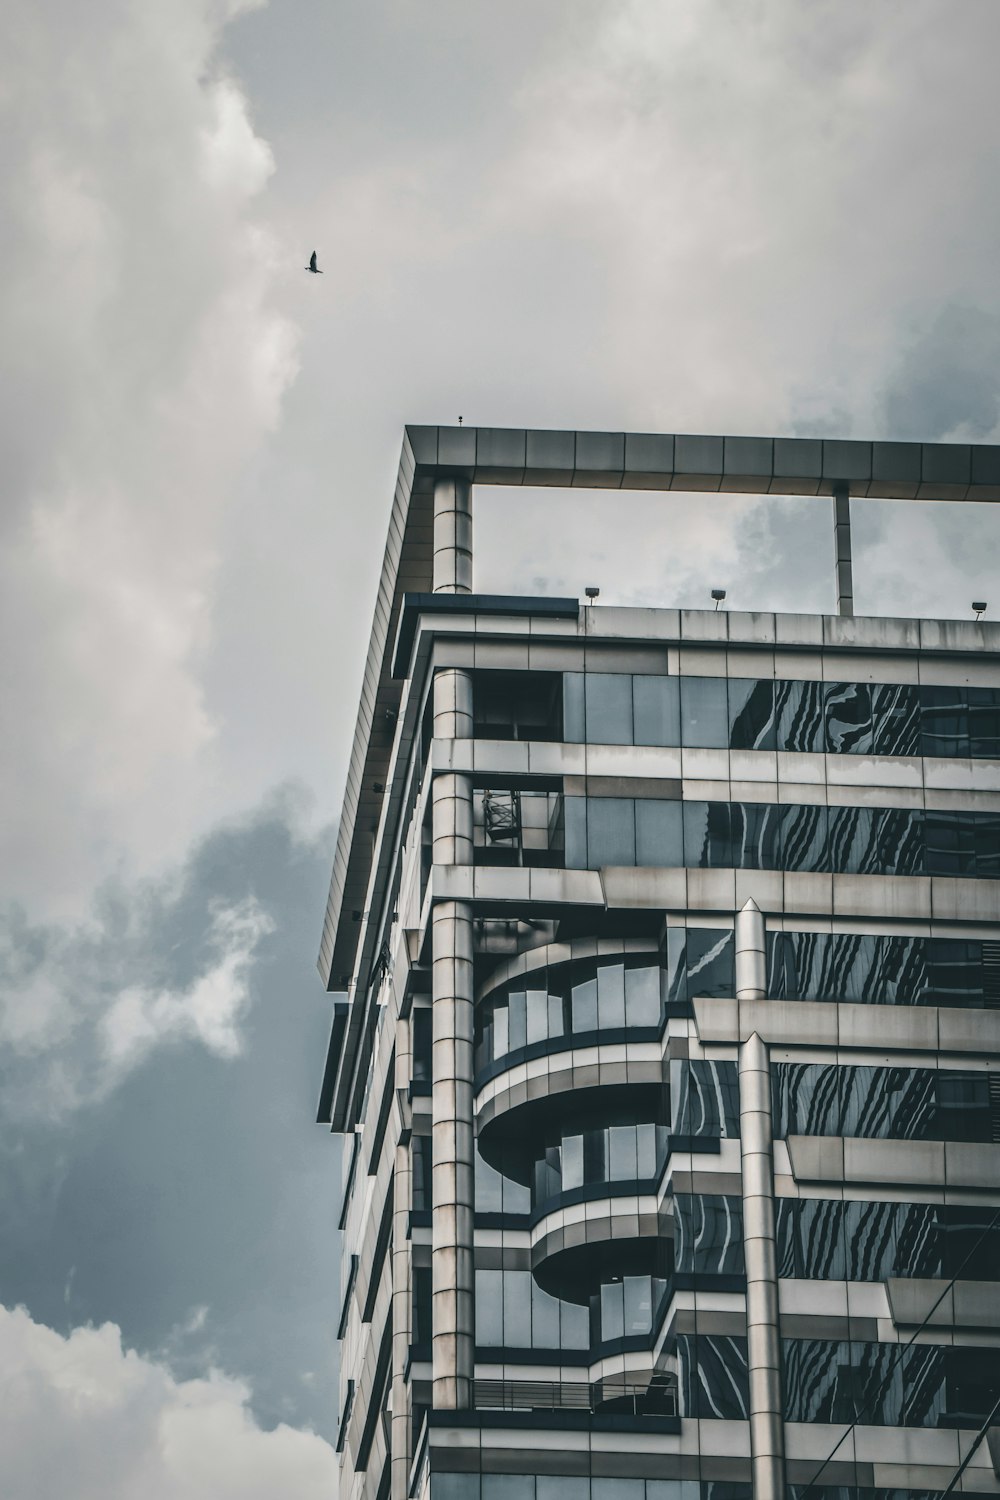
(452, 536)
(402, 1293)
(751, 953)
(453, 1343)
(842, 556)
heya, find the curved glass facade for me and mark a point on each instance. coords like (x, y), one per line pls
(579, 1159)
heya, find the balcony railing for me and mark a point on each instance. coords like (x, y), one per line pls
(643, 1398)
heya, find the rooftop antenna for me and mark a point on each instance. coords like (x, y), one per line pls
(591, 592)
(718, 595)
(979, 607)
(460, 421)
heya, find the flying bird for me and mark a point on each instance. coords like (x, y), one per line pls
(312, 266)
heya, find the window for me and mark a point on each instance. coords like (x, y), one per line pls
(517, 705)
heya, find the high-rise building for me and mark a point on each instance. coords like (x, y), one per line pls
(669, 1063)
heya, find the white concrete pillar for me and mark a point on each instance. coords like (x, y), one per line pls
(452, 536)
(402, 1291)
(452, 1274)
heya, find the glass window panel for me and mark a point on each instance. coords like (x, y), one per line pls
(622, 1164)
(489, 1309)
(584, 1005)
(896, 717)
(696, 850)
(986, 833)
(612, 1311)
(676, 972)
(508, 1487)
(659, 832)
(609, 708)
(517, 1013)
(755, 828)
(656, 710)
(944, 721)
(610, 831)
(798, 712)
(751, 714)
(645, 1144)
(849, 723)
(517, 1309)
(574, 729)
(572, 1162)
(803, 837)
(501, 1031)
(984, 722)
(704, 712)
(574, 1326)
(710, 953)
(638, 1305)
(595, 1156)
(642, 996)
(455, 1487)
(610, 996)
(489, 1187)
(560, 1487)
(616, 1489)
(575, 832)
(954, 973)
(554, 1023)
(537, 1015)
(544, 1319)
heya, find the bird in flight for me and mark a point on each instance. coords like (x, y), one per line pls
(312, 266)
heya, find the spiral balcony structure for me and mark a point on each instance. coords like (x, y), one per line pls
(668, 1052)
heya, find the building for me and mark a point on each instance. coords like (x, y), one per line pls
(669, 1063)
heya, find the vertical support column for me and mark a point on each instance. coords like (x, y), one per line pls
(452, 1275)
(452, 536)
(402, 1291)
(767, 1433)
(842, 557)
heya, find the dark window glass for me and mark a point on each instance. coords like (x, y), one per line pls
(987, 845)
(422, 1174)
(489, 1309)
(508, 1487)
(754, 832)
(656, 710)
(810, 1238)
(712, 846)
(803, 837)
(751, 714)
(917, 1104)
(896, 718)
(659, 835)
(849, 720)
(610, 831)
(610, 996)
(798, 712)
(984, 722)
(608, 708)
(704, 1098)
(944, 721)
(713, 1380)
(422, 1043)
(643, 1006)
(708, 1234)
(709, 957)
(518, 705)
(455, 1487)
(876, 840)
(949, 843)
(704, 712)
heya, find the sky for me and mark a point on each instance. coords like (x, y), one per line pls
(729, 216)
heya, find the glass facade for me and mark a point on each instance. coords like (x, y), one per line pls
(788, 836)
(591, 999)
(559, 1487)
(914, 1104)
(713, 1380)
(704, 1098)
(581, 1159)
(923, 1385)
(611, 708)
(708, 1235)
(827, 1239)
(882, 970)
(512, 1312)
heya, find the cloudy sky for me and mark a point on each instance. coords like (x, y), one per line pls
(684, 215)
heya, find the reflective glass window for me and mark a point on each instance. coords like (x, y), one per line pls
(642, 996)
(708, 1234)
(710, 954)
(537, 1004)
(616, 1489)
(612, 1311)
(583, 1003)
(610, 831)
(575, 832)
(572, 1162)
(950, 843)
(984, 722)
(799, 718)
(610, 996)
(455, 1487)
(656, 710)
(751, 714)
(489, 1308)
(622, 1156)
(704, 712)
(803, 837)
(754, 832)
(659, 832)
(608, 698)
(713, 1381)
(987, 845)
(896, 719)
(517, 1020)
(508, 1487)
(708, 840)
(560, 1487)
(850, 723)
(944, 721)
(516, 1309)
(704, 1098)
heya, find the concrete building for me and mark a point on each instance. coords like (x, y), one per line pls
(669, 1063)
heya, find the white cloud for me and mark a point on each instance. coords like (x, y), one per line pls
(143, 362)
(83, 1416)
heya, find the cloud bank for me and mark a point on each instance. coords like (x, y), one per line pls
(126, 1427)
